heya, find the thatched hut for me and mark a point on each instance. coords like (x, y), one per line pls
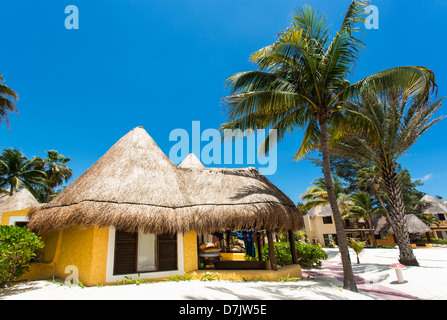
(147, 204)
(10, 206)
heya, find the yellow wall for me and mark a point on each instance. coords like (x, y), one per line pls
(315, 229)
(389, 241)
(190, 251)
(86, 249)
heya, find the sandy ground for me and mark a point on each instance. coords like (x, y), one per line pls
(375, 279)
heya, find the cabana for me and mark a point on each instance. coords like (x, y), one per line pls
(384, 230)
(134, 213)
(14, 209)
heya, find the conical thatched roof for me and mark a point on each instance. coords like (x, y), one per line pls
(20, 200)
(191, 162)
(134, 186)
(414, 224)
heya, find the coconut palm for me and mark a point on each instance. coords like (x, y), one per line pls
(57, 171)
(316, 195)
(361, 206)
(8, 101)
(302, 82)
(17, 171)
(393, 126)
(357, 246)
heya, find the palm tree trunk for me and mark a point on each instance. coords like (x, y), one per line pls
(11, 190)
(396, 209)
(371, 232)
(348, 281)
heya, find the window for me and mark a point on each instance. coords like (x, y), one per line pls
(327, 220)
(441, 216)
(144, 252)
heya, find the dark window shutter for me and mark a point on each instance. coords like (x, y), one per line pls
(125, 253)
(167, 252)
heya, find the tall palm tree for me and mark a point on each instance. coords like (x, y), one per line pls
(316, 195)
(361, 206)
(57, 171)
(8, 101)
(302, 82)
(17, 171)
(393, 126)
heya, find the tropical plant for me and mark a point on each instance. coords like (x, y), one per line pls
(357, 246)
(302, 82)
(429, 221)
(390, 126)
(317, 195)
(17, 248)
(57, 171)
(8, 101)
(309, 255)
(17, 171)
(361, 206)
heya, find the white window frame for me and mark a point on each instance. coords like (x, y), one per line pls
(110, 277)
(14, 219)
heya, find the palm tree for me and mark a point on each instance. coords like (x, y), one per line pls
(358, 247)
(17, 171)
(57, 171)
(8, 101)
(393, 126)
(317, 195)
(302, 82)
(361, 206)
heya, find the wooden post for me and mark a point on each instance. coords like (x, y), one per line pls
(293, 247)
(271, 250)
(259, 244)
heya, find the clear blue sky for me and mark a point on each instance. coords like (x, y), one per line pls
(163, 64)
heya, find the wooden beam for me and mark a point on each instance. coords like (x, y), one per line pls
(271, 250)
(293, 247)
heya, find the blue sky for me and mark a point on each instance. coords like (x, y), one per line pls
(163, 64)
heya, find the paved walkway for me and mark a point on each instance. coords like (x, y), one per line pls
(335, 270)
(375, 278)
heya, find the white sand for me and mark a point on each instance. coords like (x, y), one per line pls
(429, 281)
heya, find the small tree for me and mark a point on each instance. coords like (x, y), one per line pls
(17, 246)
(357, 246)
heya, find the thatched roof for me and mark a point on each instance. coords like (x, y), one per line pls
(320, 211)
(435, 205)
(20, 200)
(414, 224)
(134, 186)
(191, 162)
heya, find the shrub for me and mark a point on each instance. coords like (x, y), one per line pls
(309, 255)
(17, 246)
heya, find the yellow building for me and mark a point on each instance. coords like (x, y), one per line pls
(135, 214)
(437, 209)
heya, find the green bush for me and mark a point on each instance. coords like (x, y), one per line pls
(17, 246)
(309, 256)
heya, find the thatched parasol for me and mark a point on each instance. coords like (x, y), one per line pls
(134, 186)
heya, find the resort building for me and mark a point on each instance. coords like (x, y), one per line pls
(437, 209)
(320, 228)
(135, 214)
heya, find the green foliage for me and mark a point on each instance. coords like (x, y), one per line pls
(309, 256)
(17, 246)
(357, 246)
